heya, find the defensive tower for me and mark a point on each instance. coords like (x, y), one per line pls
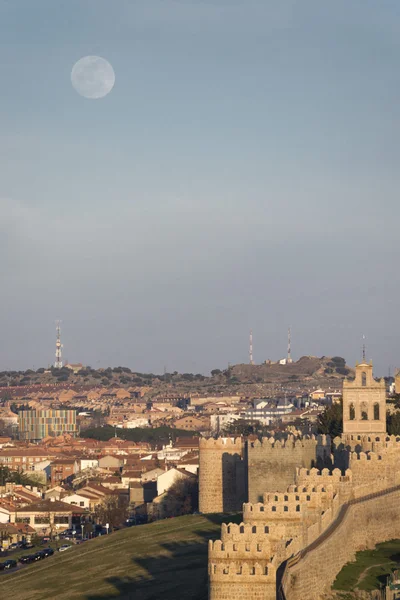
(221, 475)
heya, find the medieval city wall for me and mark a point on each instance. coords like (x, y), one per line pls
(272, 463)
(359, 525)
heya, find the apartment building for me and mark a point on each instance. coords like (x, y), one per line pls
(22, 458)
(34, 425)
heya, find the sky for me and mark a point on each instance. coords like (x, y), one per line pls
(243, 173)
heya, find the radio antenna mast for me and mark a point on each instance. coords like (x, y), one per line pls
(58, 361)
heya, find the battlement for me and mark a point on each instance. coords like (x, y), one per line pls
(311, 488)
(221, 443)
(326, 474)
(276, 510)
(240, 573)
(243, 532)
(289, 443)
(295, 495)
(340, 439)
(239, 550)
(364, 456)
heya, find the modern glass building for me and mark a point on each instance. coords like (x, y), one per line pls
(38, 424)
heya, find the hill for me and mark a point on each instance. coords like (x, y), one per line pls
(166, 559)
(266, 379)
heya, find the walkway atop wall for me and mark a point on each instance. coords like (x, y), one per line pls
(291, 562)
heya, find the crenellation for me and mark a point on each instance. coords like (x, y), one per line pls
(231, 550)
(314, 518)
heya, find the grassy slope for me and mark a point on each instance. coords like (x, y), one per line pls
(370, 568)
(167, 559)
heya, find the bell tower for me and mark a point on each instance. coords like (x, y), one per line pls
(364, 403)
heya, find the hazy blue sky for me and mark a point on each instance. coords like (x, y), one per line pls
(243, 173)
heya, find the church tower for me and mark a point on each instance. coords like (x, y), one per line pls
(364, 403)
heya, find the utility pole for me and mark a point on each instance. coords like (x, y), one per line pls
(251, 348)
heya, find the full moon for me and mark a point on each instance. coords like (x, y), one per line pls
(93, 77)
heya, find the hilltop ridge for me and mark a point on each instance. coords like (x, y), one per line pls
(303, 375)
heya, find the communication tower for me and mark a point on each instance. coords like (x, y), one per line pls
(289, 347)
(251, 348)
(58, 361)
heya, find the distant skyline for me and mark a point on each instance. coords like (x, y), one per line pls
(243, 173)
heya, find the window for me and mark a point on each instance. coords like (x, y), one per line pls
(82, 503)
(241, 530)
(364, 411)
(286, 498)
(42, 520)
(286, 508)
(262, 508)
(352, 412)
(274, 509)
(254, 529)
(61, 520)
(376, 411)
(266, 529)
(363, 379)
(298, 508)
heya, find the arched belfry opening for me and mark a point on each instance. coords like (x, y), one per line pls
(364, 411)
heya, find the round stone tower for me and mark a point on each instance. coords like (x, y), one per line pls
(221, 477)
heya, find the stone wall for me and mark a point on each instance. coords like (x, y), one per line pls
(360, 525)
(232, 472)
(221, 487)
(272, 463)
(304, 535)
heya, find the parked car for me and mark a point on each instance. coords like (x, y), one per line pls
(48, 551)
(10, 564)
(13, 546)
(26, 546)
(40, 555)
(28, 558)
(64, 547)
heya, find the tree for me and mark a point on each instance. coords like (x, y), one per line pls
(216, 372)
(393, 423)
(4, 475)
(182, 497)
(339, 361)
(330, 422)
(112, 510)
(6, 429)
(245, 428)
